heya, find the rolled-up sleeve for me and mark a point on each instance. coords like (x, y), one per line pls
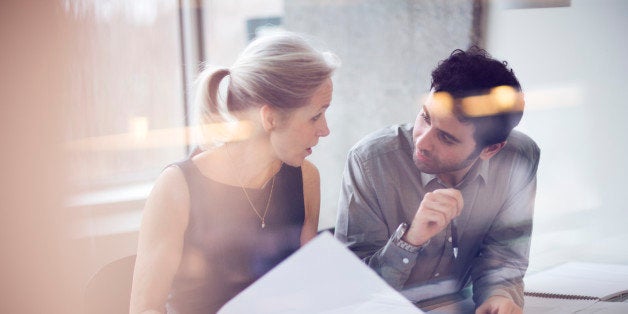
(360, 224)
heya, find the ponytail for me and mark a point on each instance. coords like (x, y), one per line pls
(213, 84)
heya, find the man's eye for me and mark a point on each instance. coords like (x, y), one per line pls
(425, 117)
(446, 139)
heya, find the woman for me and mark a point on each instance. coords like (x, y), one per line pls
(222, 218)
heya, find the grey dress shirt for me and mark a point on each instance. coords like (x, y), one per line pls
(383, 188)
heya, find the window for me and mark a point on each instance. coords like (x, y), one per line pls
(127, 118)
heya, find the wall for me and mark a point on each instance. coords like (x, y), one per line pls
(387, 49)
(572, 64)
(570, 61)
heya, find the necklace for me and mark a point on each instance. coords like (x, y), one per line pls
(270, 195)
(262, 218)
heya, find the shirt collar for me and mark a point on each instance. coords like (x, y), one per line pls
(479, 170)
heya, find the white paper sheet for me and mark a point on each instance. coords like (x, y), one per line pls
(580, 279)
(322, 277)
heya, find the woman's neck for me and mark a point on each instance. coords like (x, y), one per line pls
(252, 162)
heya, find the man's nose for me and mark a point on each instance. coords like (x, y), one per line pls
(424, 142)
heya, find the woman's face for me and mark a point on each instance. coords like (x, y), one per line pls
(296, 135)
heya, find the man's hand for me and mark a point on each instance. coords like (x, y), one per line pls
(498, 305)
(437, 209)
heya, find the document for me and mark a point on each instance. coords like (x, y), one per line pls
(322, 277)
(579, 280)
(577, 287)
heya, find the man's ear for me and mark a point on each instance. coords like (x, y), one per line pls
(269, 117)
(491, 150)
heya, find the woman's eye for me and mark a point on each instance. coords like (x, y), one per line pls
(316, 117)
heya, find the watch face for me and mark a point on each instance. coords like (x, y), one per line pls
(401, 230)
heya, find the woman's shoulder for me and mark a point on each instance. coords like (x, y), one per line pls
(168, 203)
(171, 185)
(311, 176)
(309, 169)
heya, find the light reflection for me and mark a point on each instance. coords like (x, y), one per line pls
(140, 137)
(444, 103)
(209, 135)
(138, 127)
(554, 97)
(499, 100)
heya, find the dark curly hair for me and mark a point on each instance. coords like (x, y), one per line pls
(471, 73)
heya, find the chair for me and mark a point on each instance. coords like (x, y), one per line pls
(109, 290)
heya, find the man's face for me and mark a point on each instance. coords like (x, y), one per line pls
(443, 145)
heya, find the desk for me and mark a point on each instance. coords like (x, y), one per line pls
(456, 303)
(464, 306)
(534, 305)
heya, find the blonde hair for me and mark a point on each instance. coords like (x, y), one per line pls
(281, 70)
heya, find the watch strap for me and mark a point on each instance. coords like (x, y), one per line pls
(407, 246)
(397, 240)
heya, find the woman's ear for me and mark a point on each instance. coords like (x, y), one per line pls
(269, 117)
(491, 150)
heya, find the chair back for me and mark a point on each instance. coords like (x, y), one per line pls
(109, 290)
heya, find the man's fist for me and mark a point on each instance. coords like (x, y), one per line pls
(437, 209)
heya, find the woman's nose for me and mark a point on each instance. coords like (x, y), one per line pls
(323, 129)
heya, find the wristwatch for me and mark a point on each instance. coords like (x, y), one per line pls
(396, 239)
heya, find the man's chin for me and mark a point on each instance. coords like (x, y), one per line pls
(424, 168)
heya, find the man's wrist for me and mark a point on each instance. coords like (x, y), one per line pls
(399, 240)
(407, 237)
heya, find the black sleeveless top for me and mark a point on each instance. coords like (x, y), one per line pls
(226, 232)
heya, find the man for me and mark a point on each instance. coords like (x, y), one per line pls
(447, 203)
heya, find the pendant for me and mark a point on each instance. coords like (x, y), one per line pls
(263, 225)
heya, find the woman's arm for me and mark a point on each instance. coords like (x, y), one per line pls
(312, 200)
(160, 244)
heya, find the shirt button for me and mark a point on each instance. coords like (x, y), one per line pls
(437, 274)
(449, 239)
(405, 260)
